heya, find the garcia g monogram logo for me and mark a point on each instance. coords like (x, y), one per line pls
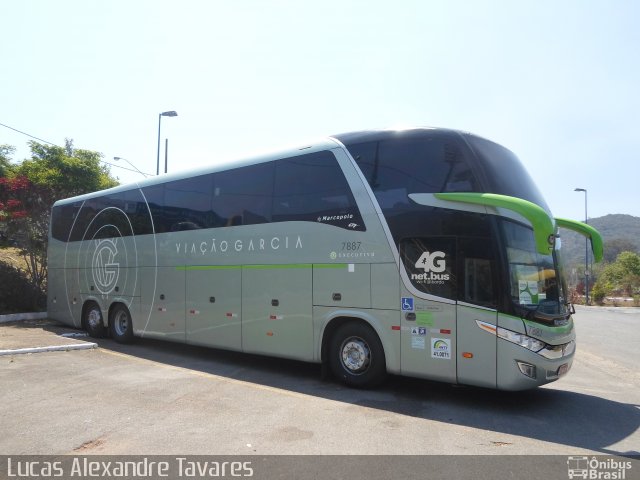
(104, 268)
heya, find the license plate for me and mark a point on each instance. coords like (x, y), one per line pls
(562, 369)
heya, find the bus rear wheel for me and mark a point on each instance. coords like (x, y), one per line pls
(92, 320)
(120, 324)
(356, 355)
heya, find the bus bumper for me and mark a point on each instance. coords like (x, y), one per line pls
(522, 369)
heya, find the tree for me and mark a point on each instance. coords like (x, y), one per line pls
(31, 188)
(615, 247)
(622, 276)
(24, 211)
(6, 151)
(65, 171)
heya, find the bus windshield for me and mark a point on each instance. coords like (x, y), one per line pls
(535, 282)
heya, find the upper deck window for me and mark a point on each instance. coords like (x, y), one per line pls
(310, 187)
(504, 172)
(403, 163)
(397, 167)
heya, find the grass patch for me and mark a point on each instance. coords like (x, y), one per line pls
(11, 256)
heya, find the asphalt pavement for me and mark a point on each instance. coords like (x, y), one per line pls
(156, 397)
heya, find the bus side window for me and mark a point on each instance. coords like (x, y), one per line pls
(154, 196)
(62, 219)
(136, 209)
(242, 196)
(188, 203)
(310, 187)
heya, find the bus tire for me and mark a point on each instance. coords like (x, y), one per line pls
(356, 355)
(120, 324)
(92, 320)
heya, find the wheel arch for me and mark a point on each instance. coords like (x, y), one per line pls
(380, 322)
(330, 329)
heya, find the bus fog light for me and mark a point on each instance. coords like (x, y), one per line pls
(527, 369)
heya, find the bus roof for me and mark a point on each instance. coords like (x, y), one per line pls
(326, 143)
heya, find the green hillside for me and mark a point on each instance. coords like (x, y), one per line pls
(618, 232)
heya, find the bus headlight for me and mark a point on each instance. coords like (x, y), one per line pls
(525, 341)
(558, 351)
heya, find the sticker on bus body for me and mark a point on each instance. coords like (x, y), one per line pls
(407, 304)
(441, 348)
(425, 319)
(418, 342)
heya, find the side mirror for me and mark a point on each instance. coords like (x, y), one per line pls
(586, 231)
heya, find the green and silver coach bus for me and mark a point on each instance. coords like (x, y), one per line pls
(424, 252)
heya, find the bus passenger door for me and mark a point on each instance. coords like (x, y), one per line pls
(428, 320)
(214, 300)
(476, 312)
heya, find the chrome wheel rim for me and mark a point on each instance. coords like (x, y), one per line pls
(121, 323)
(355, 355)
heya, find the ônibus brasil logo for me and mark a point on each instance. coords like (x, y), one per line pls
(433, 264)
(104, 268)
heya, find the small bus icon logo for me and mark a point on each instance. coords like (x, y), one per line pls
(578, 467)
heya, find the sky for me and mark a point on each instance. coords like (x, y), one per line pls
(558, 83)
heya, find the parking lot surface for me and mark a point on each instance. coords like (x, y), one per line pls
(154, 397)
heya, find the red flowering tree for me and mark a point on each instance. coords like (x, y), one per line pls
(24, 216)
(28, 191)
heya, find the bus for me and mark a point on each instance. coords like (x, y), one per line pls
(421, 252)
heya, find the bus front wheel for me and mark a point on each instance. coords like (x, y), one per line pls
(121, 325)
(356, 355)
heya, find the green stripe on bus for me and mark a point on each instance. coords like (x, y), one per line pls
(277, 266)
(208, 267)
(261, 267)
(543, 225)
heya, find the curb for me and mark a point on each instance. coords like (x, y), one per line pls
(16, 317)
(54, 348)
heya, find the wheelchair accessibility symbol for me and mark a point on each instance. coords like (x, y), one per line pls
(407, 304)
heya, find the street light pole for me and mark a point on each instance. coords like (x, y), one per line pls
(170, 113)
(586, 250)
(166, 154)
